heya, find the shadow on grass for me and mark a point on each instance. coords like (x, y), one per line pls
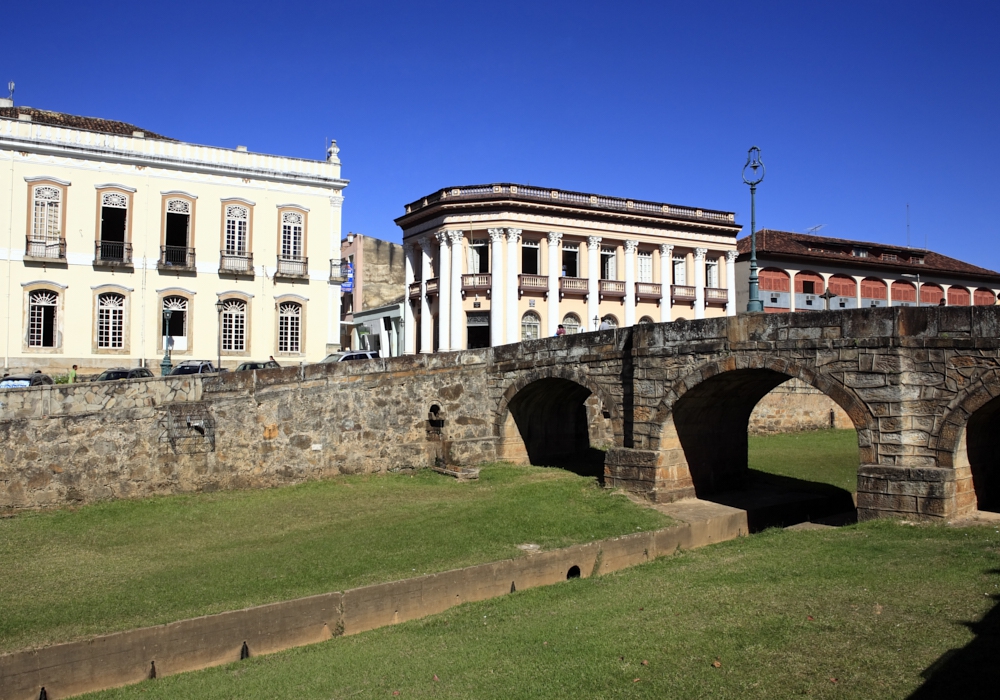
(588, 463)
(972, 671)
(771, 500)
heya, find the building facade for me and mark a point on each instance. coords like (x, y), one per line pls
(110, 227)
(797, 269)
(373, 294)
(494, 264)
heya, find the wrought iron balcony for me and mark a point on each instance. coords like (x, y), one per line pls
(339, 270)
(611, 289)
(175, 257)
(647, 291)
(112, 253)
(45, 249)
(236, 263)
(292, 266)
(681, 292)
(573, 286)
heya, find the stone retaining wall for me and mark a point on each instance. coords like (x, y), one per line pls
(795, 406)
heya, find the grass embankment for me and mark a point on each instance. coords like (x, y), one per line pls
(861, 612)
(119, 565)
(822, 456)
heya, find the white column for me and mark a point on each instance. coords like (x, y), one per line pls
(666, 280)
(444, 290)
(457, 312)
(554, 268)
(699, 282)
(630, 247)
(510, 282)
(857, 288)
(409, 331)
(426, 322)
(945, 288)
(333, 320)
(496, 286)
(888, 292)
(791, 288)
(826, 287)
(593, 282)
(730, 283)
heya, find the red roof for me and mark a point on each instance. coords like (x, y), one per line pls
(803, 246)
(72, 121)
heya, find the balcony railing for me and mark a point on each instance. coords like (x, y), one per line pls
(647, 290)
(292, 266)
(432, 286)
(112, 253)
(573, 286)
(414, 290)
(176, 257)
(45, 249)
(236, 263)
(478, 282)
(716, 296)
(680, 292)
(339, 270)
(611, 288)
(532, 283)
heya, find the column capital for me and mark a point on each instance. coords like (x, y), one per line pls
(700, 253)
(630, 246)
(513, 234)
(730, 256)
(426, 245)
(666, 249)
(593, 242)
(496, 234)
(442, 238)
(456, 237)
(554, 237)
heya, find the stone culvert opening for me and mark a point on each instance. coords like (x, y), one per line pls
(574, 572)
(982, 451)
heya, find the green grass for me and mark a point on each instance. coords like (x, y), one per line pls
(118, 565)
(823, 456)
(861, 612)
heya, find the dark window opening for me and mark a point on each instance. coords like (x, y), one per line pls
(574, 572)
(113, 224)
(808, 287)
(570, 263)
(609, 269)
(48, 326)
(529, 260)
(175, 326)
(479, 337)
(177, 230)
(480, 258)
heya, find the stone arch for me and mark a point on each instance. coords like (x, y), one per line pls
(966, 442)
(546, 415)
(699, 427)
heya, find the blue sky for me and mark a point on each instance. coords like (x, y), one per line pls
(859, 108)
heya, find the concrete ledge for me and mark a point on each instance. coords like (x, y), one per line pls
(129, 657)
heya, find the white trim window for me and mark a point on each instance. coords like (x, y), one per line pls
(111, 321)
(609, 263)
(47, 209)
(479, 256)
(42, 305)
(292, 224)
(237, 229)
(530, 257)
(234, 325)
(645, 260)
(680, 271)
(531, 326)
(571, 322)
(175, 333)
(290, 327)
(712, 274)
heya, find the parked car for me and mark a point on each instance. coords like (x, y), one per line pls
(268, 364)
(18, 381)
(123, 373)
(194, 367)
(348, 355)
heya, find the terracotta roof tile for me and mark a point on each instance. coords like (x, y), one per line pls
(822, 248)
(72, 121)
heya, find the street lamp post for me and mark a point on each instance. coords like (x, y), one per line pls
(754, 305)
(218, 308)
(165, 364)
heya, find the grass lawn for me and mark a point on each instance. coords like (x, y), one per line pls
(866, 611)
(824, 456)
(112, 566)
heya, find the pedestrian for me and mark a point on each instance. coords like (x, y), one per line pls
(72, 375)
(942, 302)
(604, 325)
(271, 359)
(561, 330)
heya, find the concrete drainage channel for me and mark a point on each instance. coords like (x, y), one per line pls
(64, 670)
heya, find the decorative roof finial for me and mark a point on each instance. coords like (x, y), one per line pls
(332, 151)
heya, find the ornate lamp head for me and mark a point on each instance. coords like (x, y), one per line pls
(753, 163)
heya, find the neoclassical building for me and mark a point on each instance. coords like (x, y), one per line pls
(502, 263)
(109, 227)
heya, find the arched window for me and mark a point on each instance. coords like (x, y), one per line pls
(290, 327)
(234, 325)
(984, 297)
(175, 331)
(959, 296)
(42, 318)
(47, 222)
(646, 319)
(571, 322)
(531, 326)
(237, 228)
(111, 321)
(291, 234)
(931, 294)
(610, 320)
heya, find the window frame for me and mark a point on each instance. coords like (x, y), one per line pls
(188, 295)
(165, 199)
(537, 323)
(304, 213)
(244, 299)
(128, 192)
(126, 294)
(37, 182)
(279, 302)
(223, 234)
(29, 288)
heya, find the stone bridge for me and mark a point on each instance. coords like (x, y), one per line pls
(670, 402)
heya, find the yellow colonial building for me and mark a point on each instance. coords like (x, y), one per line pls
(108, 227)
(502, 263)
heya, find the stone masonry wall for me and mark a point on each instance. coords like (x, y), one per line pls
(795, 406)
(89, 442)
